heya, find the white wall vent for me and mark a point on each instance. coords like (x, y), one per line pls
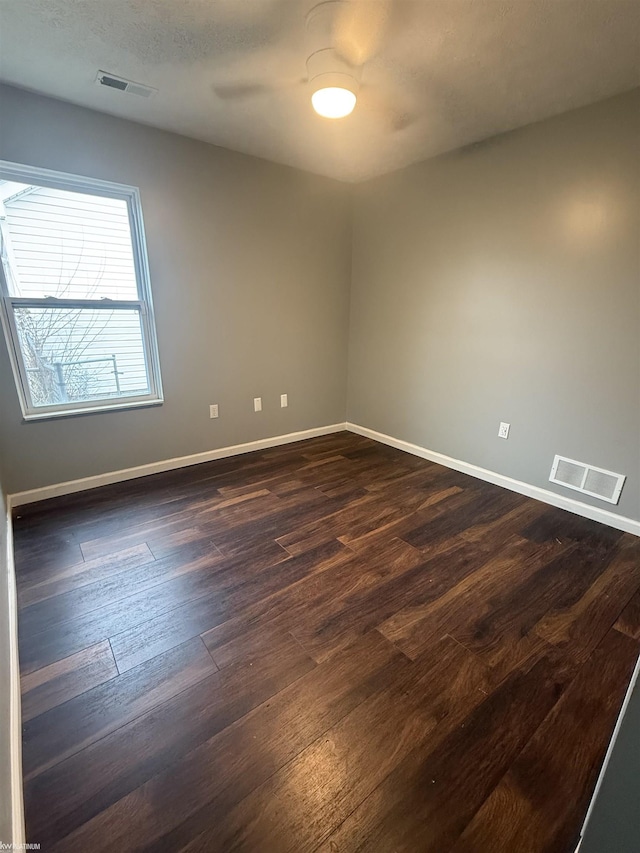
(587, 479)
(112, 81)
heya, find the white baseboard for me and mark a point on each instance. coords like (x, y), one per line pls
(58, 489)
(620, 522)
(15, 713)
(604, 516)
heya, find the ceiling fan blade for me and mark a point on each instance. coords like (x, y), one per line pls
(238, 91)
(359, 29)
(401, 121)
(395, 112)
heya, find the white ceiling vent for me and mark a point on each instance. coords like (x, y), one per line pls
(103, 78)
(587, 479)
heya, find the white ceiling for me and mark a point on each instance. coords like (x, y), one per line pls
(446, 72)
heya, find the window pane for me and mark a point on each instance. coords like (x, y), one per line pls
(80, 354)
(65, 244)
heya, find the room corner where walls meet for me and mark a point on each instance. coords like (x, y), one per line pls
(502, 283)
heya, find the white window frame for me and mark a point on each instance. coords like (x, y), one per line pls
(144, 304)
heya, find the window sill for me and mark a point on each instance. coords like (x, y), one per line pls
(94, 410)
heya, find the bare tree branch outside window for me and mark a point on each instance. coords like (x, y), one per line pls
(55, 341)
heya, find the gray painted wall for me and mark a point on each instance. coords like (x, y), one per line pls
(499, 282)
(250, 271)
(502, 283)
(614, 824)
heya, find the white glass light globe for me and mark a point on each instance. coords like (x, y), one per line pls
(333, 102)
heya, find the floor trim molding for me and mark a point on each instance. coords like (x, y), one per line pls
(604, 516)
(15, 714)
(58, 489)
(620, 522)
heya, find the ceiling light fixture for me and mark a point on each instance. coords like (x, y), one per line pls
(333, 81)
(333, 102)
(334, 98)
(334, 87)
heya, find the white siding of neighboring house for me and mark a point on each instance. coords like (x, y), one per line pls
(76, 246)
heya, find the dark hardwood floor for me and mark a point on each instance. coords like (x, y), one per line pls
(328, 646)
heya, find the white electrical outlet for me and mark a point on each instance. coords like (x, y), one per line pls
(503, 432)
(257, 404)
(213, 410)
(284, 401)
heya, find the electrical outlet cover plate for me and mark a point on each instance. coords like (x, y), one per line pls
(284, 401)
(503, 432)
(213, 410)
(257, 404)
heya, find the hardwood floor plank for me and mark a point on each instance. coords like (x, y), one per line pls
(578, 627)
(68, 728)
(234, 589)
(301, 804)
(473, 507)
(464, 607)
(110, 543)
(48, 583)
(37, 554)
(509, 653)
(415, 474)
(264, 639)
(327, 624)
(565, 527)
(279, 483)
(328, 645)
(188, 795)
(292, 607)
(546, 791)
(289, 515)
(629, 620)
(72, 792)
(120, 528)
(120, 584)
(403, 525)
(508, 615)
(427, 800)
(397, 526)
(54, 684)
(361, 516)
(109, 529)
(197, 541)
(194, 580)
(494, 534)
